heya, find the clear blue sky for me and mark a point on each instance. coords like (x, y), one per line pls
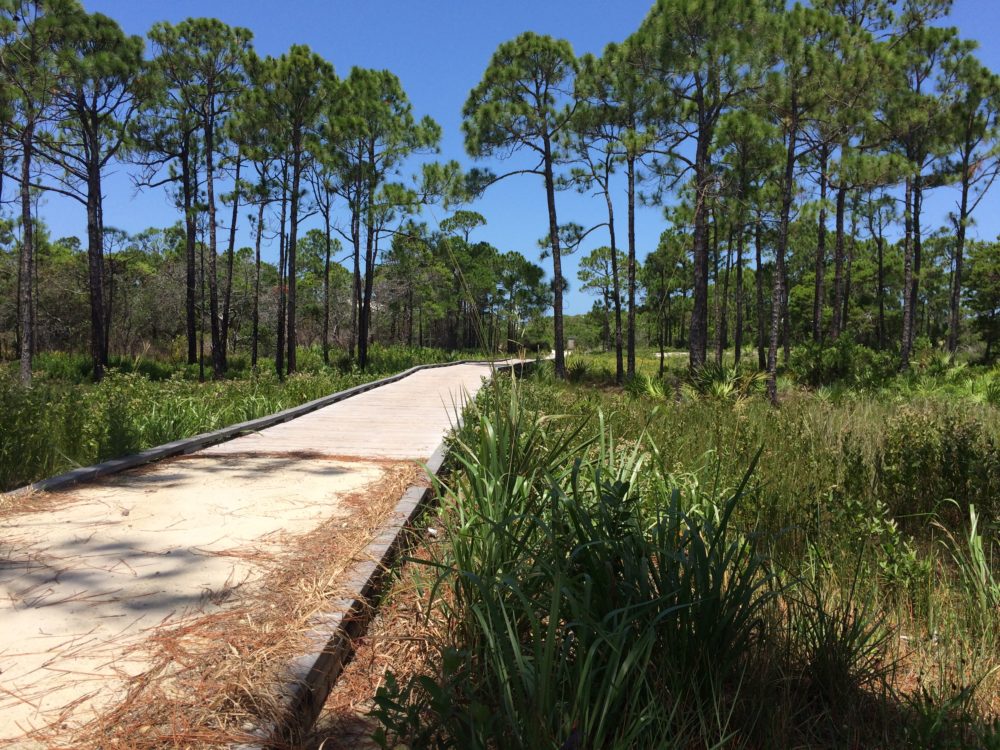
(439, 50)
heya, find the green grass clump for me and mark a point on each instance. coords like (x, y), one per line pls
(53, 427)
(578, 606)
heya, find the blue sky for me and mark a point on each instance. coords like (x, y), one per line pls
(439, 50)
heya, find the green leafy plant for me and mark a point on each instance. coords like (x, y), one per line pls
(721, 383)
(578, 607)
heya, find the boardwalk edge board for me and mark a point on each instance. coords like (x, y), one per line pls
(206, 439)
(312, 676)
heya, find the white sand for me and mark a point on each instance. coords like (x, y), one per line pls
(81, 584)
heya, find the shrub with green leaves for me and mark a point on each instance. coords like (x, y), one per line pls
(924, 454)
(843, 361)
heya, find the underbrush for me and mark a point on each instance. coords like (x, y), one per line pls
(621, 572)
(67, 367)
(840, 371)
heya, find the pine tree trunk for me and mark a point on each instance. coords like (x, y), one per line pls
(851, 249)
(34, 296)
(364, 317)
(778, 290)
(201, 312)
(838, 266)
(880, 244)
(326, 282)
(218, 368)
(356, 292)
(616, 285)
(256, 284)
(364, 310)
(954, 305)
(907, 338)
(557, 280)
(27, 257)
(230, 253)
(279, 354)
(698, 336)
(291, 253)
(189, 180)
(917, 256)
(738, 339)
(724, 320)
(99, 334)
(630, 344)
(820, 268)
(759, 282)
(716, 292)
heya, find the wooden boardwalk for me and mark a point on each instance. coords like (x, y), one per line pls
(403, 420)
(94, 571)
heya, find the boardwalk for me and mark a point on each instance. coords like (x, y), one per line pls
(91, 573)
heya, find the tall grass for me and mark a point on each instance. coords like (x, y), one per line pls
(619, 571)
(53, 427)
(817, 452)
(582, 610)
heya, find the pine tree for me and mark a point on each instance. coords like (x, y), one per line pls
(205, 59)
(708, 57)
(371, 131)
(519, 105)
(29, 34)
(101, 84)
(972, 98)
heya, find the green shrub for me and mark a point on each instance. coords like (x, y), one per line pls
(928, 453)
(578, 606)
(843, 361)
(723, 383)
(991, 391)
(69, 368)
(577, 370)
(390, 359)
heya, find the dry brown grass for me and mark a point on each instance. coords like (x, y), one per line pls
(401, 638)
(214, 678)
(15, 504)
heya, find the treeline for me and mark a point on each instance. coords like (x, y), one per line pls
(740, 297)
(803, 136)
(792, 149)
(286, 137)
(433, 289)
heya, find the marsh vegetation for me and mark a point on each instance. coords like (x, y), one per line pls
(681, 565)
